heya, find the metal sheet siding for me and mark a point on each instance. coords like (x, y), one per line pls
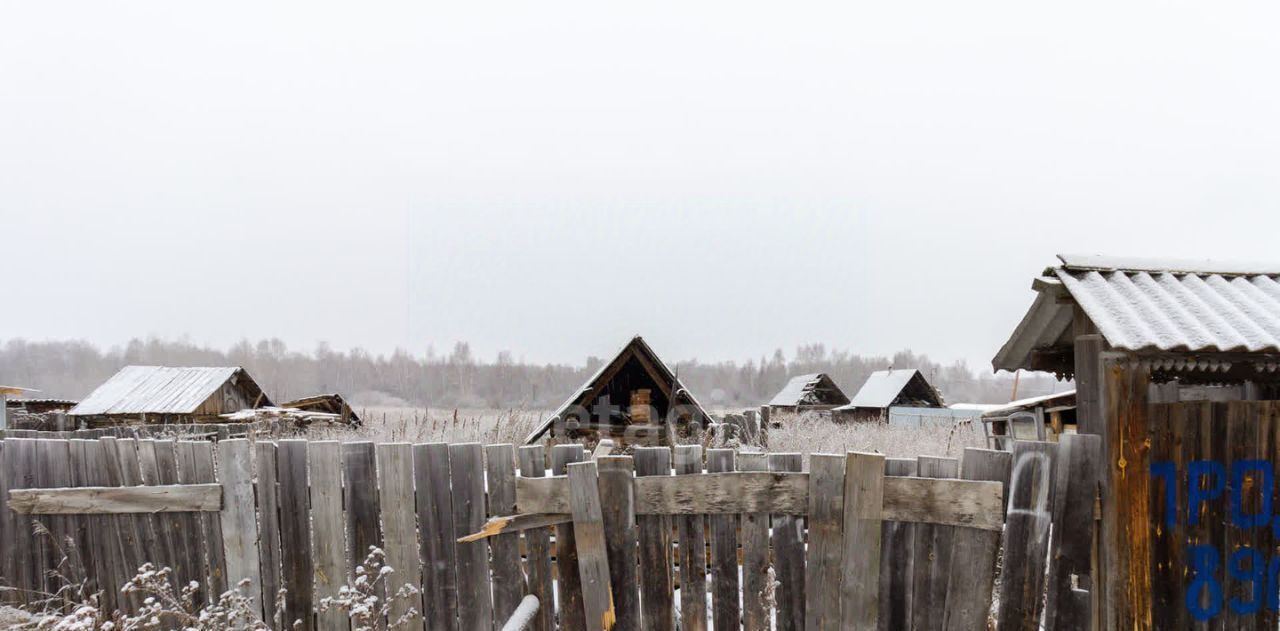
(155, 390)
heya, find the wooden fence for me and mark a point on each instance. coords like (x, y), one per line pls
(715, 540)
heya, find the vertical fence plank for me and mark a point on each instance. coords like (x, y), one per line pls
(656, 577)
(475, 597)
(104, 534)
(360, 496)
(973, 551)
(90, 554)
(863, 503)
(268, 489)
(755, 556)
(399, 527)
(324, 459)
(617, 505)
(569, 583)
(20, 471)
(143, 525)
(163, 554)
(184, 527)
(195, 466)
(439, 548)
(121, 464)
(538, 543)
(931, 563)
(788, 555)
(823, 558)
(126, 554)
(8, 562)
(53, 472)
(508, 578)
(1026, 535)
(239, 525)
(1079, 460)
(725, 606)
(295, 533)
(897, 540)
(593, 559)
(691, 530)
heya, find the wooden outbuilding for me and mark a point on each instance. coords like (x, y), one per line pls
(1177, 370)
(164, 394)
(808, 393)
(633, 398)
(1045, 417)
(884, 389)
(328, 404)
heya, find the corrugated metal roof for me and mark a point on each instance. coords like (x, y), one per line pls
(799, 389)
(881, 388)
(1153, 304)
(155, 390)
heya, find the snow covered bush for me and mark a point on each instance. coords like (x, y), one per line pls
(362, 599)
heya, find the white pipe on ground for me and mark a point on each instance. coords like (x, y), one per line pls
(523, 615)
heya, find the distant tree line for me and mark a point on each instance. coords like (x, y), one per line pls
(71, 369)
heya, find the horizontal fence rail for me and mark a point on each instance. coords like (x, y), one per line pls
(659, 539)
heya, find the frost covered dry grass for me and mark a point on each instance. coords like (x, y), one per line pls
(809, 434)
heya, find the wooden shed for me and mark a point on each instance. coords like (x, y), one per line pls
(885, 389)
(1176, 367)
(808, 393)
(328, 404)
(164, 394)
(633, 398)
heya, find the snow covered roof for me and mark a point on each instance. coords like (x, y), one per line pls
(1148, 304)
(812, 389)
(883, 387)
(1064, 398)
(159, 390)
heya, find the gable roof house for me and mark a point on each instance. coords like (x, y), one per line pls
(885, 389)
(164, 394)
(631, 399)
(804, 393)
(1173, 362)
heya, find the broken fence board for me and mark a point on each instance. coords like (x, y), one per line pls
(1026, 536)
(538, 542)
(268, 491)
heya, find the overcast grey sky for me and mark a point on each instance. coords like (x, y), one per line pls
(551, 177)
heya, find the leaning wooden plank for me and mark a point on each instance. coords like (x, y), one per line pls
(1068, 606)
(239, 525)
(475, 596)
(755, 556)
(399, 532)
(593, 559)
(691, 530)
(569, 583)
(435, 528)
(617, 507)
(504, 550)
(860, 581)
(788, 556)
(931, 563)
(295, 534)
(328, 546)
(973, 551)
(538, 543)
(825, 552)
(268, 491)
(937, 501)
(657, 587)
(726, 609)
(1026, 535)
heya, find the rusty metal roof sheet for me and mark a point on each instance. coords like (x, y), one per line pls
(155, 390)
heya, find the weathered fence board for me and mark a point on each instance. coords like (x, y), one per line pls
(896, 544)
(691, 530)
(823, 558)
(1068, 604)
(439, 551)
(475, 595)
(569, 583)
(328, 541)
(593, 560)
(399, 528)
(538, 542)
(788, 555)
(973, 551)
(295, 533)
(508, 578)
(656, 577)
(106, 500)
(617, 504)
(268, 491)
(239, 524)
(755, 556)
(726, 609)
(860, 580)
(1027, 535)
(931, 564)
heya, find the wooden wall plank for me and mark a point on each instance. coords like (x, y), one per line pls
(569, 583)
(269, 553)
(328, 546)
(360, 497)
(863, 499)
(1070, 554)
(897, 540)
(825, 552)
(973, 555)
(726, 609)
(399, 530)
(509, 585)
(538, 542)
(657, 581)
(756, 587)
(691, 530)
(931, 564)
(593, 558)
(788, 555)
(296, 564)
(1026, 536)
(617, 505)
(239, 523)
(439, 553)
(475, 596)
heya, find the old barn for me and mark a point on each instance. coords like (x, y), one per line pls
(164, 394)
(633, 398)
(808, 393)
(886, 389)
